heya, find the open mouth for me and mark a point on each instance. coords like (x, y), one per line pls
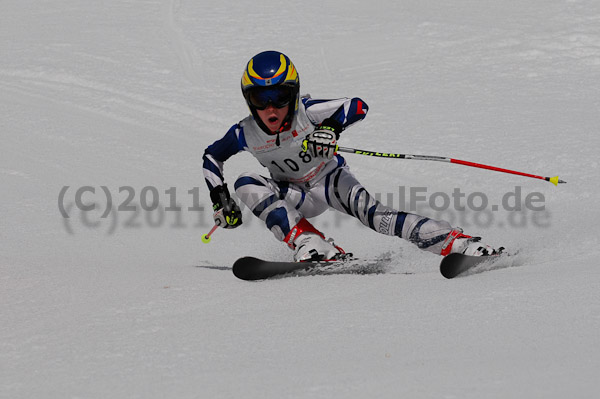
(273, 119)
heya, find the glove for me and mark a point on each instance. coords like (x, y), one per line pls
(322, 142)
(227, 213)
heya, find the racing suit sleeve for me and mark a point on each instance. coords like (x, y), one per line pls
(345, 111)
(217, 153)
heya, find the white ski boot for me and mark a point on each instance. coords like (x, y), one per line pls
(460, 243)
(309, 244)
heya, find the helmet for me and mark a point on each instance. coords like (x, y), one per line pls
(271, 78)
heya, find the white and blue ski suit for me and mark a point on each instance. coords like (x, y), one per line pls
(303, 186)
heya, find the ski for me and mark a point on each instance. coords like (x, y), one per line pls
(454, 265)
(251, 268)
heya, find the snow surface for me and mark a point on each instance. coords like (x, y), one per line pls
(129, 93)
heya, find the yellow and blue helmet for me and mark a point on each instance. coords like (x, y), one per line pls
(270, 77)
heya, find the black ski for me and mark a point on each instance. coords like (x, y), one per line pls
(250, 268)
(456, 264)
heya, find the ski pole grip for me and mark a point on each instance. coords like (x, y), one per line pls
(225, 202)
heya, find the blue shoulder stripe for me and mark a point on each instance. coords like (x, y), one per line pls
(309, 102)
(229, 145)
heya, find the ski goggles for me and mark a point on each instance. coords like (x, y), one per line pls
(261, 97)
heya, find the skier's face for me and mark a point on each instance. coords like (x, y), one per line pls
(273, 117)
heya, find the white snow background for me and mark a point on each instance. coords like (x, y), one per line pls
(133, 305)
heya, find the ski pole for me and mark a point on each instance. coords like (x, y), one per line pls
(554, 180)
(206, 237)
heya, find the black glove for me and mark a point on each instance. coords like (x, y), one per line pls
(322, 142)
(227, 212)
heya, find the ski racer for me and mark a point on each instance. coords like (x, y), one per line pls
(295, 138)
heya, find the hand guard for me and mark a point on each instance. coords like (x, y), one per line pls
(322, 142)
(227, 213)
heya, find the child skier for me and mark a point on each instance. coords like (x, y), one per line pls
(295, 138)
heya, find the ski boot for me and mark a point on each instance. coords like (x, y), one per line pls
(310, 245)
(457, 242)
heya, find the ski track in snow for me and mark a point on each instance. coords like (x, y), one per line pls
(109, 101)
(130, 93)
